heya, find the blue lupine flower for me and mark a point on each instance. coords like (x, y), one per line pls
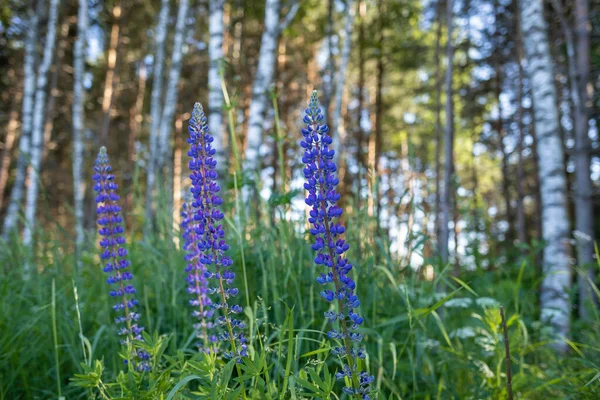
(114, 257)
(321, 182)
(211, 245)
(197, 282)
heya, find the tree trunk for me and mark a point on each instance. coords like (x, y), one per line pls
(448, 186)
(360, 132)
(341, 75)
(37, 131)
(18, 188)
(554, 297)
(438, 127)
(11, 135)
(328, 85)
(583, 196)
(578, 56)
(215, 95)
(155, 107)
(521, 220)
(505, 155)
(265, 73)
(111, 76)
(379, 119)
(166, 119)
(78, 124)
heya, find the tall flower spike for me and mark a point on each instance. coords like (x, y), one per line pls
(197, 282)
(330, 247)
(211, 236)
(114, 257)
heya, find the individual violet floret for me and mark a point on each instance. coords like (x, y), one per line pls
(211, 243)
(321, 183)
(114, 257)
(197, 282)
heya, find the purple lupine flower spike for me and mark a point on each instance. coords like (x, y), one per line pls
(197, 282)
(211, 236)
(321, 183)
(114, 257)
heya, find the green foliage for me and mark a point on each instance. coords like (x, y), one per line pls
(422, 341)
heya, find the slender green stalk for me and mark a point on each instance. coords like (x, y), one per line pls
(231, 123)
(240, 230)
(279, 139)
(79, 322)
(55, 339)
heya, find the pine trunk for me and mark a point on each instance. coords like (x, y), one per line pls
(554, 297)
(448, 186)
(521, 220)
(438, 127)
(584, 210)
(9, 142)
(111, 76)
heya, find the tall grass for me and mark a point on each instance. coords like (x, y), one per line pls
(47, 331)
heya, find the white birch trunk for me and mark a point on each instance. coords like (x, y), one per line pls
(155, 105)
(215, 95)
(16, 197)
(341, 75)
(78, 102)
(37, 132)
(265, 73)
(166, 119)
(554, 297)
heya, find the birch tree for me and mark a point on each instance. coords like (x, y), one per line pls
(265, 73)
(78, 102)
(166, 119)
(215, 95)
(16, 197)
(341, 75)
(447, 211)
(155, 105)
(37, 132)
(554, 296)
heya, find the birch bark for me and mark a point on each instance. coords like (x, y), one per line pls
(166, 119)
(554, 297)
(78, 125)
(341, 75)
(215, 95)
(265, 73)
(16, 196)
(37, 131)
